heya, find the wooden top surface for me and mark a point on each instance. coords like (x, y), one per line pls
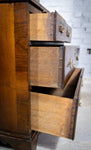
(33, 2)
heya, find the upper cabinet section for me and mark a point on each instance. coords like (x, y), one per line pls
(34, 5)
(49, 27)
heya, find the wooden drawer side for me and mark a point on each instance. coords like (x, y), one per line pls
(44, 66)
(75, 106)
(41, 27)
(49, 114)
(55, 112)
(49, 27)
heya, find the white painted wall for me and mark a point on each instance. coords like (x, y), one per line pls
(77, 13)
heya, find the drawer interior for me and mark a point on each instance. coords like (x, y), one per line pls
(67, 92)
(53, 111)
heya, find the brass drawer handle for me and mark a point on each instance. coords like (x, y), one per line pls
(71, 63)
(68, 33)
(77, 57)
(61, 28)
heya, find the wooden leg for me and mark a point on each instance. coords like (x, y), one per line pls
(19, 144)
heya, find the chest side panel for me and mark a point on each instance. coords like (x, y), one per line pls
(8, 107)
(21, 60)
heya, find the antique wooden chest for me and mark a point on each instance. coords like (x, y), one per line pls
(52, 66)
(15, 114)
(39, 85)
(49, 27)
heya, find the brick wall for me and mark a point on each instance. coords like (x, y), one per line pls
(78, 14)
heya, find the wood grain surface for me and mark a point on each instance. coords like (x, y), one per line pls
(75, 105)
(68, 91)
(71, 52)
(14, 95)
(8, 106)
(45, 66)
(14, 81)
(45, 27)
(70, 61)
(42, 27)
(19, 143)
(52, 66)
(50, 114)
(61, 36)
(21, 60)
(55, 113)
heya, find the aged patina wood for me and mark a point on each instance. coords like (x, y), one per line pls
(18, 143)
(49, 27)
(55, 113)
(52, 66)
(21, 61)
(45, 66)
(14, 81)
(8, 105)
(34, 4)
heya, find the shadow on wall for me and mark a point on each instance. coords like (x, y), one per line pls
(48, 141)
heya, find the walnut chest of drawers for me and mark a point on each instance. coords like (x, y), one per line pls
(39, 83)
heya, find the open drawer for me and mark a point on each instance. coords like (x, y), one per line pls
(54, 111)
(52, 66)
(49, 27)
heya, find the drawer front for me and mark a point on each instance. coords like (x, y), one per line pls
(52, 66)
(63, 30)
(71, 59)
(49, 27)
(46, 66)
(56, 115)
(42, 27)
